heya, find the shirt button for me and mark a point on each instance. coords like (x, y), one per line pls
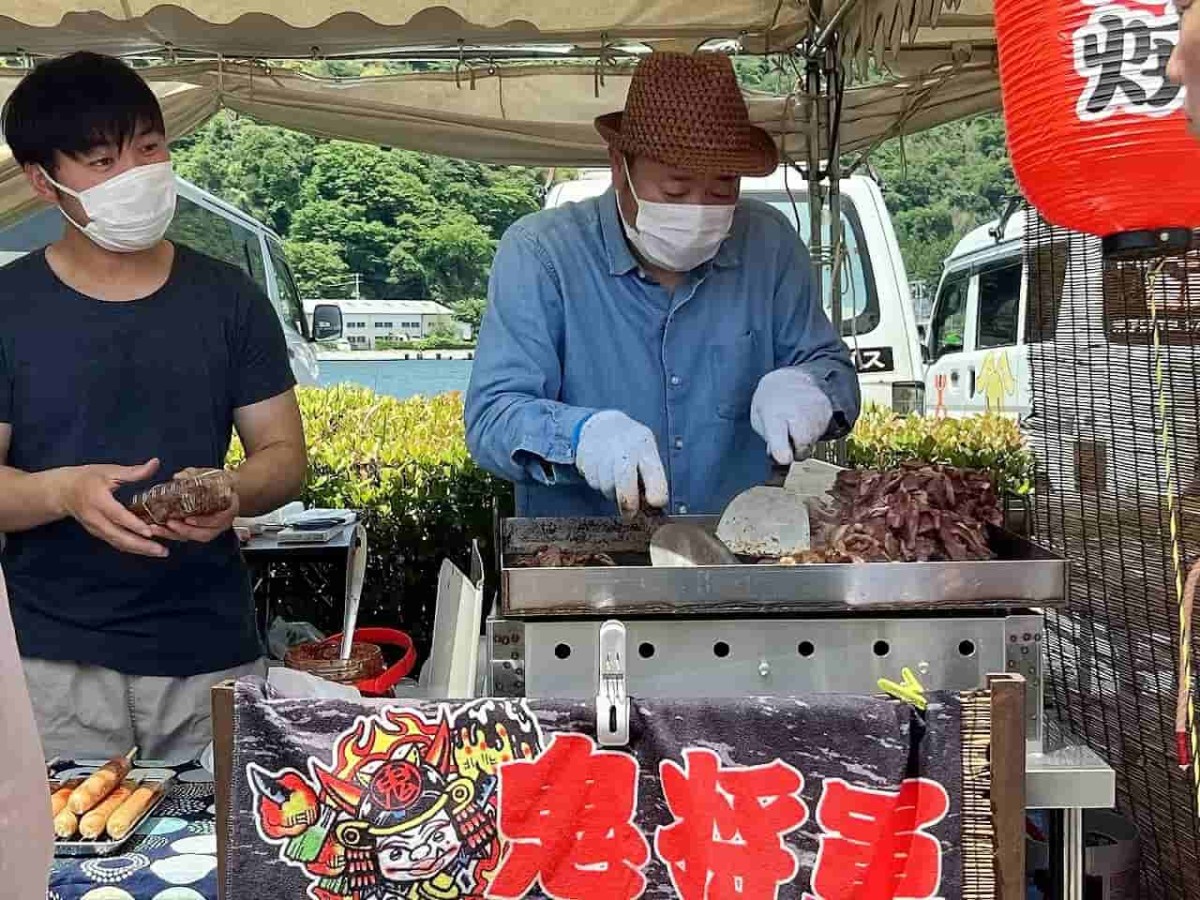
(676, 381)
(678, 443)
(683, 509)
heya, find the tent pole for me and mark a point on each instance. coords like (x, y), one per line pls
(828, 35)
(824, 85)
(833, 86)
(812, 72)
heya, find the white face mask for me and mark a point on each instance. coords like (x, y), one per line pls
(130, 212)
(677, 237)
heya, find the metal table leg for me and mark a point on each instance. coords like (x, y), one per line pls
(1072, 849)
(356, 572)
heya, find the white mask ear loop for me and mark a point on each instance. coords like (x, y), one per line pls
(66, 190)
(632, 190)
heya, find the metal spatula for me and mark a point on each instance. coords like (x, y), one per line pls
(812, 478)
(766, 521)
(685, 544)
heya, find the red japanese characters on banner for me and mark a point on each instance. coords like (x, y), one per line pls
(1096, 131)
(472, 801)
(727, 837)
(873, 843)
(568, 818)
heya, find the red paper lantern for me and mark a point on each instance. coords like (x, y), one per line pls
(1096, 131)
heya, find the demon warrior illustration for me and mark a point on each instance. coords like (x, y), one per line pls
(406, 808)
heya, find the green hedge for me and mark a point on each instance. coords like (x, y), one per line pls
(430, 343)
(434, 343)
(403, 464)
(883, 440)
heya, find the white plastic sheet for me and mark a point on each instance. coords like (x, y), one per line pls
(26, 832)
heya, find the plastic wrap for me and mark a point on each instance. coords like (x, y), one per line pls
(202, 495)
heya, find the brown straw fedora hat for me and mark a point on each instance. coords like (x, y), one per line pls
(688, 111)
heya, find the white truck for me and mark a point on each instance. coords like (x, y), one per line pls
(978, 333)
(877, 315)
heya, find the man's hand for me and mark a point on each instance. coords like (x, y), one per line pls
(615, 453)
(200, 529)
(790, 412)
(85, 493)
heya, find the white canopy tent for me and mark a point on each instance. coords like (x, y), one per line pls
(495, 107)
(278, 29)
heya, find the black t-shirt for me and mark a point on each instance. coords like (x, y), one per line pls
(84, 381)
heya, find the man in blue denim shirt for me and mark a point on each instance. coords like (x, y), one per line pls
(658, 344)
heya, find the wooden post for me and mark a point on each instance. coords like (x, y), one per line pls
(222, 721)
(1008, 783)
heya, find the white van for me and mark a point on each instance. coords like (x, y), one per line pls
(978, 332)
(877, 315)
(210, 225)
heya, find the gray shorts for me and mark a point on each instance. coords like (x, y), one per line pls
(88, 712)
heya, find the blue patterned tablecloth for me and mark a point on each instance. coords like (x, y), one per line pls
(172, 857)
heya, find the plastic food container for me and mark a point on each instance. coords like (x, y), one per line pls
(365, 668)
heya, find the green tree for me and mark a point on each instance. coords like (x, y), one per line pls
(772, 75)
(471, 312)
(319, 269)
(372, 179)
(351, 68)
(468, 184)
(258, 168)
(443, 330)
(456, 252)
(409, 225)
(444, 174)
(326, 221)
(506, 200)
(940, 183)
(364, 244)
(406, 274)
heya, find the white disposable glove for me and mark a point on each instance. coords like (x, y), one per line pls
(613, 452)
(789, 412)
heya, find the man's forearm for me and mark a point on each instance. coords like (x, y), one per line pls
(28, 500)
(524, 438)
(270, 477)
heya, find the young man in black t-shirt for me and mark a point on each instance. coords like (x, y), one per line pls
(124, 361)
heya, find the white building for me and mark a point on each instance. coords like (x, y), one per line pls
(367, 322)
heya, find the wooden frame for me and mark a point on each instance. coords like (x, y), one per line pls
(1008, 783)
(222, 719)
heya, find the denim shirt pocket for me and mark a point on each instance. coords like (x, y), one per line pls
(734, 374)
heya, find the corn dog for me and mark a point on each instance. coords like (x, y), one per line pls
(92, 825)
(98, 785)
(66, 824)
(58, 800)
(121, 822)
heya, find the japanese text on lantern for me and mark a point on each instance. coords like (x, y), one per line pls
(568, 818)
(1121, 52)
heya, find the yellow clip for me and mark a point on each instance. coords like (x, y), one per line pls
(909, 689)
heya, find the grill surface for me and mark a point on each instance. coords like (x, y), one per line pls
(1023, 575)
